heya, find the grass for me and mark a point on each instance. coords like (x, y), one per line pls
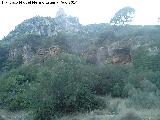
(128, 115)
(124, 113)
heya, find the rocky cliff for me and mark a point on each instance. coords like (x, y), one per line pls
(98, 43)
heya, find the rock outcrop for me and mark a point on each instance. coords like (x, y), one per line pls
(107, 55)
(46, 26)
(98, 43)
(121, 56)
(48, 51)
(102, 55)
(25, 53)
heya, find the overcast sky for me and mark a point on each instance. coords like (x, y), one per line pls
(88, 11)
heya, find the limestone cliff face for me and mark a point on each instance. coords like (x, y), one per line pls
(46, 26)
(28, 55)
(102, 55)
(48, 51)
(116, 56)
(66, 23)
(98, 43)
(121, 56)
(25, 52)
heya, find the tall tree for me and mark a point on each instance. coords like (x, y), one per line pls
(123, 16)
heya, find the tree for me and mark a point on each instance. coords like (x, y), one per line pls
(123, 16)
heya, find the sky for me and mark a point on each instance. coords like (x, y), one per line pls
(147, 12)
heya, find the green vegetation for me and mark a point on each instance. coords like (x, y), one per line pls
(50, 90)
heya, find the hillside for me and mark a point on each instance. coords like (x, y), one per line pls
(55, 68)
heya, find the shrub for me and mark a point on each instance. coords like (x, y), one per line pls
(78, 101)
(110, 80)
(148, 86)
(153, 77)
(64, 89)
(14, 87)
(13, 95)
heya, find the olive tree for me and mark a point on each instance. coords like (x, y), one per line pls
(123, 16)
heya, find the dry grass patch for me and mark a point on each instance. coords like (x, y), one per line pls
(130, 115)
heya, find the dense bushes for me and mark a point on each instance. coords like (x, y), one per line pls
(65, 84)
(147, 58)
(67, 100)
(110, 80)
(60, 85)
(14, 86)
(62, 89)
(143, 90)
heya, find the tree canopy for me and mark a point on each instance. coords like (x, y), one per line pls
(123, 16)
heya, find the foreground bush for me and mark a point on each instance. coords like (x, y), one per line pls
(14, 87)
(67, 104)
(63, 89)
(110, 80)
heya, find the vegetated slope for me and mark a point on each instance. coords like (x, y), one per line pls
(56, 66)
